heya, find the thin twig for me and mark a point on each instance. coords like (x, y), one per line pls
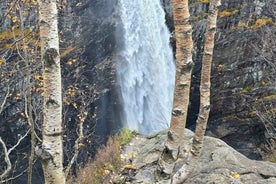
(76, 146)
(7, 160)
(17, 176)
(7, 153)
(4, 101)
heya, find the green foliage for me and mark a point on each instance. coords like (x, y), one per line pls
(273, 159)
(246, 89)
(267, 98)
(126, 135)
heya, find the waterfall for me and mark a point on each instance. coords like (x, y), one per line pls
(145, 66)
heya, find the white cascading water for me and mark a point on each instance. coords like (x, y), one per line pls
(145, 67)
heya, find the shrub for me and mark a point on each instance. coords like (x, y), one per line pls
(106, 161)
(246, 89)
(261, 22)
(126, 135)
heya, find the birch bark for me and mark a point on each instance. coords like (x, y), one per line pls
(184, 66)
(52, 148)
(205, 85)
(205, 82)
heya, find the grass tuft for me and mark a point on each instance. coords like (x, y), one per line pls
(126, 135)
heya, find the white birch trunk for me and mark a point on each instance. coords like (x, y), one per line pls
(52, 148)
(184, 67)
(182, 174)
(205, 82)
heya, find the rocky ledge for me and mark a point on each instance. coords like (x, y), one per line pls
(218, 163)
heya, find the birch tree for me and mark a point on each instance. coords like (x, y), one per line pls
(205, 84)
(184, 66)
(51, 153)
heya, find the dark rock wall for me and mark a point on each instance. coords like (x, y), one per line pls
(243, 73)
(243, 79)
(88, 31)
(90, 27)
(98, 38)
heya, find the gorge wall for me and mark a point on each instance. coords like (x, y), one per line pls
(243, 73)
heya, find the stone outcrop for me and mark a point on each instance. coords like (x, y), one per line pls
(218, 163)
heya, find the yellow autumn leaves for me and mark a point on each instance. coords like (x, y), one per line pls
(235, 175)
(71, 61)
(1, 61)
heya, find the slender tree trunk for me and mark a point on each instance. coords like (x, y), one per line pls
(28, 98)
(52, 149)
(205, 82)
(184, 66)
(28, 110)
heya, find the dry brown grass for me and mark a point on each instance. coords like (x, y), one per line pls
(106, 161)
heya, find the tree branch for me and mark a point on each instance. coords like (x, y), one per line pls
(4, 101)
(77, 142)
(7, 153)
(7, 160)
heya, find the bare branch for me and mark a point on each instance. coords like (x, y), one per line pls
(4, 101)
(18, 142)
(14, 177)
(7, 160)
(7, 153)
(77, 143)
(30, 121)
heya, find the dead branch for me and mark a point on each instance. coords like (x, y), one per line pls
(7, 153)
(77, 143)
(4, 101)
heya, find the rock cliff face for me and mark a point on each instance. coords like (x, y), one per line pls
(97, 31)
(243, 73)
(87, 45)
